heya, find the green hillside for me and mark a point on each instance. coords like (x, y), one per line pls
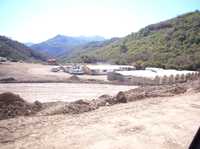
(14, 50)
(174, 43)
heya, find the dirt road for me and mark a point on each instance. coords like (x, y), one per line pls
(155, 123)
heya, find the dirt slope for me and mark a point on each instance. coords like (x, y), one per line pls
(158, 123)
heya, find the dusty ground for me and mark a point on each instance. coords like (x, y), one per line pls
(158, 123)
(155, 123)
(47, 92)
(37, 72)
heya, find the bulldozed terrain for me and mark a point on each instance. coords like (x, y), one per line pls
(164, 117)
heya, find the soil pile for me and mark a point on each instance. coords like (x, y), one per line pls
(74, 78)
(194, 85)
(78, 106)
(81, 106)
(153, 91)
(121, 97)
(8, 79)
(104, 100)
(12, 105)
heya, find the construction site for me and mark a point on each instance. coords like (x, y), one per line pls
(103, 113)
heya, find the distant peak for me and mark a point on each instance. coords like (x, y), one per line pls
(59, 36)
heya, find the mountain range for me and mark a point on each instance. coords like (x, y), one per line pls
(174, 43)
(60, 44)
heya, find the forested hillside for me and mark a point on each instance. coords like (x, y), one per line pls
(14, 50)
(174, 43)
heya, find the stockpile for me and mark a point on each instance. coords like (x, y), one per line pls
(12, 105)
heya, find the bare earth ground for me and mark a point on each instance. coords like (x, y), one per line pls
(48, 92)
(154, 123)
(37, 72)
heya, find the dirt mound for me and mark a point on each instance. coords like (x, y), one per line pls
(177, 90)
(12, 105)
(74, 78)
(8, 79)
(81, 106)
(193, 85)
(78, 106)
(75, 107)
(104, 100)
(121, 97)
(153, 91)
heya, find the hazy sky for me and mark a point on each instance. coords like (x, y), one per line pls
(38, 20)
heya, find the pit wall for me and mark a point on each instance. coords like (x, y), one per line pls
(158, 80)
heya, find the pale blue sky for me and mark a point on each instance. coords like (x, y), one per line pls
(38, 20)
